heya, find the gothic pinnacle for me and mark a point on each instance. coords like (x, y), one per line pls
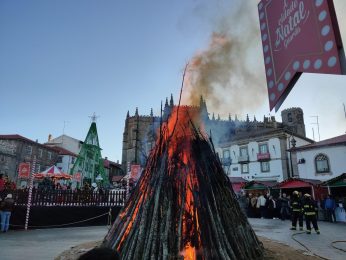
(171, 102)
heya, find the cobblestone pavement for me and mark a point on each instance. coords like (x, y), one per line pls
(318, 244)
(49, 243)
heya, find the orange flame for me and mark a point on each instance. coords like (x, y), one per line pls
(189, 253)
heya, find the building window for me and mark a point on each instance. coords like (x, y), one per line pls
(289, 117)
(321, 163)
(265, 167)
(263, 148)
(40, 153)
(2, 158)
(245, 168)
(28, 150)
(73, 160)
(49, 156)
(226, 154)
(243, 151)
(59, 159)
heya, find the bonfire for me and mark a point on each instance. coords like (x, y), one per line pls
(183, 206)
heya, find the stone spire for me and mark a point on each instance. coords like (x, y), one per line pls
(203, 109)
(136, 114)
(171, 102)
(128, 114)
(151, 112)
(218, 117)
(229, 117)
(166, 104)
(247, 118)
(213, 118)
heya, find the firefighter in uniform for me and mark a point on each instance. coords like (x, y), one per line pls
(297, 211)
(310, 209)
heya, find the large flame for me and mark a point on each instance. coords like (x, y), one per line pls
(179, 208)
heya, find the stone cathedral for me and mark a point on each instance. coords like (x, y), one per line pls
(140, 131)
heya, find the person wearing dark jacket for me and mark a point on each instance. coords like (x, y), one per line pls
(297, 211)
(284, 211)
(6, 208)
(310, 208)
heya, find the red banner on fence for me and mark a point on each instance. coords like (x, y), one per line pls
(298, 36)
(77, 177)
(135, 172)
(24, 171)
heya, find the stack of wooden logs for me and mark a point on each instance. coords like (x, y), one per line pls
(183, 206)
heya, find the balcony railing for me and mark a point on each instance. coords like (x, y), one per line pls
(243, 158)
(226, 161)
(263, 156)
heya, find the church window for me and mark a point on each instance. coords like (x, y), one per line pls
(289, 117)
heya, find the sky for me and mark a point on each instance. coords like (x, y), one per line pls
(63, 60)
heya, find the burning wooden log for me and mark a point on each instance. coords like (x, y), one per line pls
(183, 206)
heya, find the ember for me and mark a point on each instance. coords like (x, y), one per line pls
(183, 206)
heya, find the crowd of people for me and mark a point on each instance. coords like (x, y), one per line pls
(293, 207)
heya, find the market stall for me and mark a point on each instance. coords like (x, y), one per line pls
(269, 187)
(53, 173)
(237, 183)
(304, 186)
(337, 188)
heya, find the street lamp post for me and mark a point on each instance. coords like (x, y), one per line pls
(293, 143)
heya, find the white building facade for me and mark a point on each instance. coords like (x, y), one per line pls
(65, 162)
(66, 142)
(322, 160)
(262, 155)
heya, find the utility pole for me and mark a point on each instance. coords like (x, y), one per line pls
(318, 127)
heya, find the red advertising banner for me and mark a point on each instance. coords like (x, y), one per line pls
(298, 36)
(24, 171)
(135, 172)
(77, 177)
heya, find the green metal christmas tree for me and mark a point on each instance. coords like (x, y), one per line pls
(89, 162)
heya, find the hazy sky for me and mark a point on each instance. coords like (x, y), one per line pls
(63, 60)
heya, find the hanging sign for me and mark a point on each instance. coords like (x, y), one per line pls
(24, 170)
(298, 36)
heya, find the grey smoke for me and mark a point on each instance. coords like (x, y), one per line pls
(229, 73)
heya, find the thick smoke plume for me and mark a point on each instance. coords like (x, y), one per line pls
(229, 74)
